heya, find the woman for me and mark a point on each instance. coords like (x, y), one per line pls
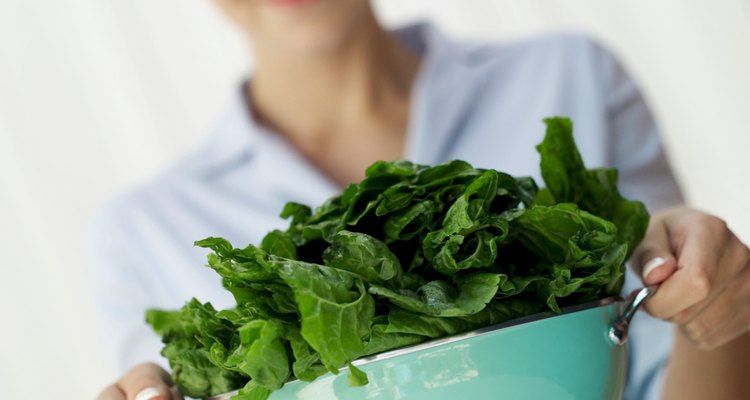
(332, 92)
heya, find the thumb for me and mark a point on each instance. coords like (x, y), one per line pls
(147, 382)
(653, 258)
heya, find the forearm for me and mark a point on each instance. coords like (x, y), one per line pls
(723, 373)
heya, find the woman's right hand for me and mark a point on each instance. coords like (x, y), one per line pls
(146, 381)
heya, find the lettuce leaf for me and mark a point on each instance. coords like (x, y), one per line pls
(594, 190)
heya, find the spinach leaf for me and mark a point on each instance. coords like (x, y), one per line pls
(363, 255)
(307, 364)
(443, 299)
(335, 310)
(261, 354)
(381, 339)
(568, 181)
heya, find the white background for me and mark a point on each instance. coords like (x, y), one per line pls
(97, 95)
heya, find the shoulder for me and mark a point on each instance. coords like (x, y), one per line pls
(560, 41)
(562, 47)
(569, 55)
(563, 66)
(561, 56)
(492, 91)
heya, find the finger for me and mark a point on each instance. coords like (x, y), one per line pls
(176, 395)
(717, 322)
(698, 254)
(721, 312)
(111, 392)
(731, 284)
(146, 382)
(653, 258)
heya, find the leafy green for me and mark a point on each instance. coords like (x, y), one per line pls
(252, 391)
(185, 334)
(363, 255)
(410, 253)
(357, 377)
(335, 310)
(594, 190)
(261, 354)
(442, 299)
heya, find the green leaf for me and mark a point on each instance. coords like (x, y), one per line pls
(307, 364)
(252, 391)
(246, 265)
(499, 312)
(363, 255)
(409, 222)
(396, 198)
(547, 230)
(357, 377)
(440, 298)
(164, 322)
(399, 168)
(335, 310)
(421, 325)
(267, 299)
(220, 246)
(261, 354)
(477, 250)
(197, 376)
(279, 244)
(446, 174)
(382, 340)
(526, 190)
(594, 190)
(299, 213)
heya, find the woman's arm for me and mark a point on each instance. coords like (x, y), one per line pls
(722, 373)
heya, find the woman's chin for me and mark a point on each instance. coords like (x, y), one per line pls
(291, 4)
(312, 27)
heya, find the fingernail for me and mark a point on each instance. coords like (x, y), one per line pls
(148, 394)
(653, 264)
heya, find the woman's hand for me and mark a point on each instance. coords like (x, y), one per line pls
(704, 272)
(146, 381)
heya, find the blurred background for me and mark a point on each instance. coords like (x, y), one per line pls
(98, 95)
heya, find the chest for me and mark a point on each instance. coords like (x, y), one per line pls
(345, 158)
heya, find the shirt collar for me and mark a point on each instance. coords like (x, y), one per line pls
(231, 141)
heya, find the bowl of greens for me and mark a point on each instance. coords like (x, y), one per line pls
(543, 356)
(424, 282)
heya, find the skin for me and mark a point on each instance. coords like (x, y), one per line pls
(328, 46)
(337, 46)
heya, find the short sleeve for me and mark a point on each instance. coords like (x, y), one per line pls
(121, 291)
(636, 146)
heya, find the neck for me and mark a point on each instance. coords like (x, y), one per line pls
(307, 97)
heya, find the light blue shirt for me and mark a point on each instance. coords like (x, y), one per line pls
(479, 102)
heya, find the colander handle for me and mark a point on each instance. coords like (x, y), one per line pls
(618, 332)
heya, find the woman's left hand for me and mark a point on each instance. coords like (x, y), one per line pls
(704, 273)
